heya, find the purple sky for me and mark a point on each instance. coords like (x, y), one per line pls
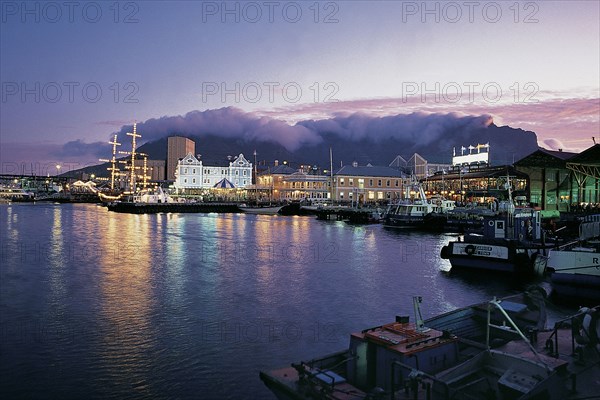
(73, 76)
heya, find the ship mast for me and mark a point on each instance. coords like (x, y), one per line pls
(114, 171)
(132, 153)
(132, 176)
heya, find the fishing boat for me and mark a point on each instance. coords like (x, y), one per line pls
(574, 268)
(511, 241)
(496, 350)
(418, 214)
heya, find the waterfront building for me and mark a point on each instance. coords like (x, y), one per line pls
(559, 179)
(480, 185)
(177, 148)
(192, 173)
(301, 185)
(271, 183)
(368, 184)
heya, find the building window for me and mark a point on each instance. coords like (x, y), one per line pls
(244, 172)
(237, 172)
(185, 170)
(193, 170)
(185, 180)
(361, 183)
(371, 182)
(194, 180)
(379, 195)
(379, 182)
(387, 183)
(396, 182)
(341, 195)
(350, 195)
(371, 195)
(351, 181)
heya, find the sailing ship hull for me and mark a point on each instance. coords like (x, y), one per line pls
(153, 208)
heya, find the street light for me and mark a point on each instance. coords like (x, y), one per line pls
(57, 169)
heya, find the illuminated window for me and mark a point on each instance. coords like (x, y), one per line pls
(379, 195)
(351, 182)
(341, 181)
(371, 195)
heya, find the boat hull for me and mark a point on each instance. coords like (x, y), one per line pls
(492, 256)
(575, 274)
(261, 210)
(153, 208)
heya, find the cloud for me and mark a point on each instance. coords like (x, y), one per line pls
(227, 122)
(553, 144)
(78, 148)
(421, 128)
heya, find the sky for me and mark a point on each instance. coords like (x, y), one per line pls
(74, 73)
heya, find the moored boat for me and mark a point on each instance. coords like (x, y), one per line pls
(574, 268)
(495, 350)
(267, 210)
(429, 214)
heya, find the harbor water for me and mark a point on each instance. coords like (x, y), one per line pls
(103, 305)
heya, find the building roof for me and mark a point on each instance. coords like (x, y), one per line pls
(281, 169)
(545, 158)
(590, 156)
(384, 172)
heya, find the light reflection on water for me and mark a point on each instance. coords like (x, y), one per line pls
(95, 304)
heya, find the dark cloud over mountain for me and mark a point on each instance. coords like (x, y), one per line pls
(356, 137)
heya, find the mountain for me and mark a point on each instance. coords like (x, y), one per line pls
(356, 137)
(507, 145)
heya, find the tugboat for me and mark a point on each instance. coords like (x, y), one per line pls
(511, 241)
(494, 350)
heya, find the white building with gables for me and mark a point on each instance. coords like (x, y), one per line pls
(191, 173)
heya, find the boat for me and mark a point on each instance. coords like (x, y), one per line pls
(494, 350)
(423, 213)
(574, 268)
(511, 241)
(158, 201)
(258, 209)
(13, 194)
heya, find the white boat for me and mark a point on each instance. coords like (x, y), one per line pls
(575, 268)
(268, 210)
(8, 194)
(422, 213)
